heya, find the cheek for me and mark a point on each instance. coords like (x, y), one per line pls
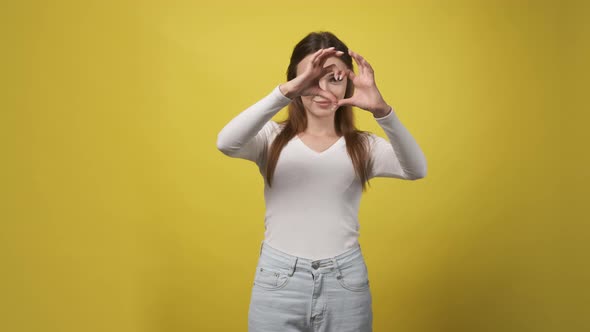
(339, 90)
(306, 99)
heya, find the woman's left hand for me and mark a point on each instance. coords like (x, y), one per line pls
(366, 95)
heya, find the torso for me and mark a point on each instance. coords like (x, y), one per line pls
(312, 207)
(317, 143)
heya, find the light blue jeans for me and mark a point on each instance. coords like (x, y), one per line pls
(291, 293)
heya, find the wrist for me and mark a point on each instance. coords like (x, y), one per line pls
(381, 110)
(288, 90)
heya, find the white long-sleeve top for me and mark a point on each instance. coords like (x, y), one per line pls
(312, 206)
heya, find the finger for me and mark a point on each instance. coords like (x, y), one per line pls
(363, 64)
(329, 69)
(358, 61)
(324, 56)
(360, 58)
(351, 75)
(345, 102)
(324, 50)
(341, 74)
(322, 53)
(317, 91)
(327, 54)
(328, 95)
(338, 73)
(316, 55)
(370, 69)
(367, 65)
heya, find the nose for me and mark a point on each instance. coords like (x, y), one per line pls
(325, 85)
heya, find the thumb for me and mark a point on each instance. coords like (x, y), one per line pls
(346, 101)
(328, 95)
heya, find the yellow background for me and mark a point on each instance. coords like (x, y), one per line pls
(118, 213)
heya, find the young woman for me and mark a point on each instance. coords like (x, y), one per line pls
(311, 274)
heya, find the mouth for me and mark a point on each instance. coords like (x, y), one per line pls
(323, 103)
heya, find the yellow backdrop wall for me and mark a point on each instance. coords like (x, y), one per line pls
(118, 213)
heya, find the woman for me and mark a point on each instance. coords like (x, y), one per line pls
(311, 274)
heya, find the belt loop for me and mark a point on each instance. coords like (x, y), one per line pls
(293, 266)
(261, 245)
(339, 273)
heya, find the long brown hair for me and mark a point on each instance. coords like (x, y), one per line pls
(296, 122)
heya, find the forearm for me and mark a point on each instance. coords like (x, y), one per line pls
(381, 110)
(407, 150)
(249, 122)
(288, 89)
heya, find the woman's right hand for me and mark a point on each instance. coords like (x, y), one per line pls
(307, 83)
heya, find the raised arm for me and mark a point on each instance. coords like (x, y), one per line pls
(401, 156)
(246, 136)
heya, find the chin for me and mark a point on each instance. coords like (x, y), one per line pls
(322, 113)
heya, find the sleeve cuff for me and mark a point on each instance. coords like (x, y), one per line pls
(390, 117)
(280, 96)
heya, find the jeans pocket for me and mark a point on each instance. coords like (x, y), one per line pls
(270, 278)
(354, 277)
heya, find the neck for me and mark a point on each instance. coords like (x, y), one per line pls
(323, 126)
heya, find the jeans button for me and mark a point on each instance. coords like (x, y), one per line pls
(315, 265)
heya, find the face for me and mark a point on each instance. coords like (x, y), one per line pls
(316, 105)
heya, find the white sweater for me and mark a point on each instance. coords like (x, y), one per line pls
(312, 206)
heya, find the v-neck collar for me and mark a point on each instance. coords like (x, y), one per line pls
(322, 152)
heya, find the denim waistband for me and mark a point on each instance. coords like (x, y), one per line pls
(279, 259)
